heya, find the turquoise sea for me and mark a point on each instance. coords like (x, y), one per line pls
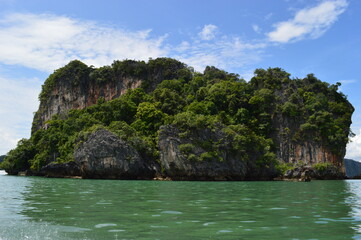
(43, 208)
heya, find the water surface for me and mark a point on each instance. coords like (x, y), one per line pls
(41, 208)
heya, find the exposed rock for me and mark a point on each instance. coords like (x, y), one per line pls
(309, 153)
(306, 176)
(65, 97)
(307, 150)
(105, 155)
(306, 173)
(82, 90)
(70, 169)
(228, 166)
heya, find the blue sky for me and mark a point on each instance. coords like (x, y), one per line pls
(36, 37)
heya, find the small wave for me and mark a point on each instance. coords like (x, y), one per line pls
(171, 212)
(116, 230)
(208, 223)
(158, 201)
(154, 226)
(321, 222)
(73, 229)
(102, 225)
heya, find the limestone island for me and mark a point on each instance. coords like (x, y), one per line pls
(162, 120)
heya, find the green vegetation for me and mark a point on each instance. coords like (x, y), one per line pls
(2, 157)
(322, 167)
(247, 112)
(284, 167)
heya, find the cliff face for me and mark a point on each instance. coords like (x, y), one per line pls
(177, 164)
(104, 155)
(307, 151)
(65, 97)
(181, 157)
(310, 120)
(107, 156)
(77, 86)
(184, 125)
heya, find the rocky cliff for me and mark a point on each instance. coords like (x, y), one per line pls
(77, 86)
(137, 120)
(104, 155)
(305, 122)
(188, 158)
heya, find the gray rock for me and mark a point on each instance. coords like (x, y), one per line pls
(307, 172)
(70, 169)
(176, 165)
(105, 155)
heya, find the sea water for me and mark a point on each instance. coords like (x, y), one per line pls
(45, 208)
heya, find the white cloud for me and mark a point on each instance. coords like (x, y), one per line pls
(46, 42)
(208, 32)
(256, 28)
(309, 22)
(226, 53)
(348, 81)
(354, 148)
(18, 100)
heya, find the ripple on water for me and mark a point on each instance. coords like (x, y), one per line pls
(171, 212)
(208, 223)
(225, 231)
(155, 226)
(278, 208)
(321, 222)
(335, 220)
(72, 229)
(116, 230)
(102, 225)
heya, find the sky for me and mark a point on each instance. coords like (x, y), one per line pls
(322, 37)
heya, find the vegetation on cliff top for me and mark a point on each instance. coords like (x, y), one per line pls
(246, 111)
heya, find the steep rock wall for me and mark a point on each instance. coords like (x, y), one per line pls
(227, 165)
(77, 86)
(307, 151)
(65, 97)
(105, 155)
